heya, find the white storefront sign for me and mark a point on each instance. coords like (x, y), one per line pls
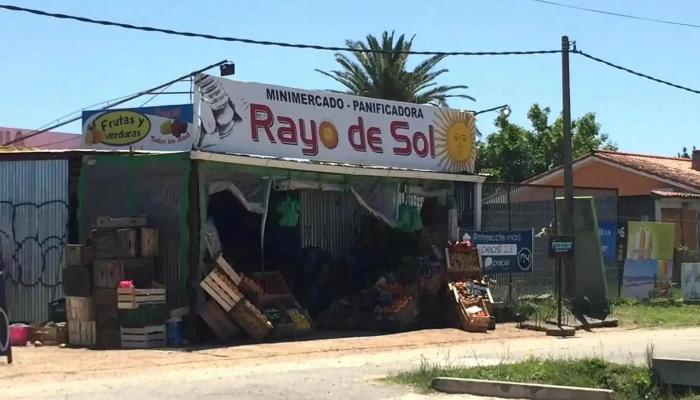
(259, 119)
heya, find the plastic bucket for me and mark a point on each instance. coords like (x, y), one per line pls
(174, 332)
(19, 334)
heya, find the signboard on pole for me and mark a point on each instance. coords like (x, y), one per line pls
(268, 120)
(503, 251)
(561, 247)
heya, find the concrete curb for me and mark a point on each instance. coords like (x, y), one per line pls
(515, 390)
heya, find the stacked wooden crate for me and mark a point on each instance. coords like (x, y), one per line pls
(142, 316)
(77, 287)
(123, 250)
(228, 309)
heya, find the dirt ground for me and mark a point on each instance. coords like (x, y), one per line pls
(42, 363)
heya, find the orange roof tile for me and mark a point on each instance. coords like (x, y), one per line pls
(674, 169)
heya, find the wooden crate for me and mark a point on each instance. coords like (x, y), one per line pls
(219, 322)
(79, 309)
(148, 238)
(77, 281)
(49, 335)
(77, 255)
(224, 266)
(452, 268)
(143, 338)
(120, 243)
(130, 298)
(471, 322)
(115, 223)
(262, 277)
(251, 320)
(222, 289)
(83, 334)
(108, 272)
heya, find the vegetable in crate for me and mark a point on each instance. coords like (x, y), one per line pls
(467, 261)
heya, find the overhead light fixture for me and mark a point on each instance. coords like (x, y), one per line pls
(504, 110)
(227, 69)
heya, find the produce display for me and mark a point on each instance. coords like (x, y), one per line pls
(273, 284)
(299, 319)
(463, 257)
(393, 297)
(249, 287)
(466, 292)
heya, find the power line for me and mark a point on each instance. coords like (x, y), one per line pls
(137, 95)
(614, 14)
(265, 42)
(633, 72)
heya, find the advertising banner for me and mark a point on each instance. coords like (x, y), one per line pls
(650, 240)
(690, 282)
(638, 278)
(164, 128)
(608, 239)
(503, 251)
(260, 119)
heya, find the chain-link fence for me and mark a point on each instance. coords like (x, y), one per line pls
(518, 206)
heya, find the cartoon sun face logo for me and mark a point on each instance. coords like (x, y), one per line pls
(328, 134)
(454, 140)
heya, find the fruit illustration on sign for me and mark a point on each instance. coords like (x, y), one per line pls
(174, 127)
(93, 135)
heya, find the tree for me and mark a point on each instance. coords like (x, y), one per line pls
(385, 75)
(514, 153)
(684, 153)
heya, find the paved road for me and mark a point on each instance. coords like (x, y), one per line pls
(353, 377)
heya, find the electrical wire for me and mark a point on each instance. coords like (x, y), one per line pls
(125, 100)
(633, 72)
(265, 42)
(614, 14)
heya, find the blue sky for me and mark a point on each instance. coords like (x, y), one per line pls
(51, 68)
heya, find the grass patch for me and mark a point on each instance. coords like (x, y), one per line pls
(627, 380)
(664, 313)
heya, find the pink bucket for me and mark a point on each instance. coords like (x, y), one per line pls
(19, 334)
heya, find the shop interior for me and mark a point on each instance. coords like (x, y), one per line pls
(361, 255)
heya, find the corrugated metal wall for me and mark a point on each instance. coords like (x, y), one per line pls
(332, 221)
(155, 186)
(33, 232)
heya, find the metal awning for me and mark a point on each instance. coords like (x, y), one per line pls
(333, 168)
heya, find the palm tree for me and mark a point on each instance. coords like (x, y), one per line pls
(384, 75)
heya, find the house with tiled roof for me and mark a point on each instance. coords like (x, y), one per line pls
(650, 187)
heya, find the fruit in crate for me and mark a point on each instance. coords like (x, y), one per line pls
(298, 319)
(465, 261)
(397, 304)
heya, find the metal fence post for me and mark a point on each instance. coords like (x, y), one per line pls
(510, 274)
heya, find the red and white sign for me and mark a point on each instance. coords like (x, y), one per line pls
(259, 119)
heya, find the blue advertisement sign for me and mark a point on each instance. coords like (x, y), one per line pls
(608, 239)
(638, 278)
(503, 251)
(182, 112)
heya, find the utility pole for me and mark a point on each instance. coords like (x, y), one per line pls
(567, 159)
